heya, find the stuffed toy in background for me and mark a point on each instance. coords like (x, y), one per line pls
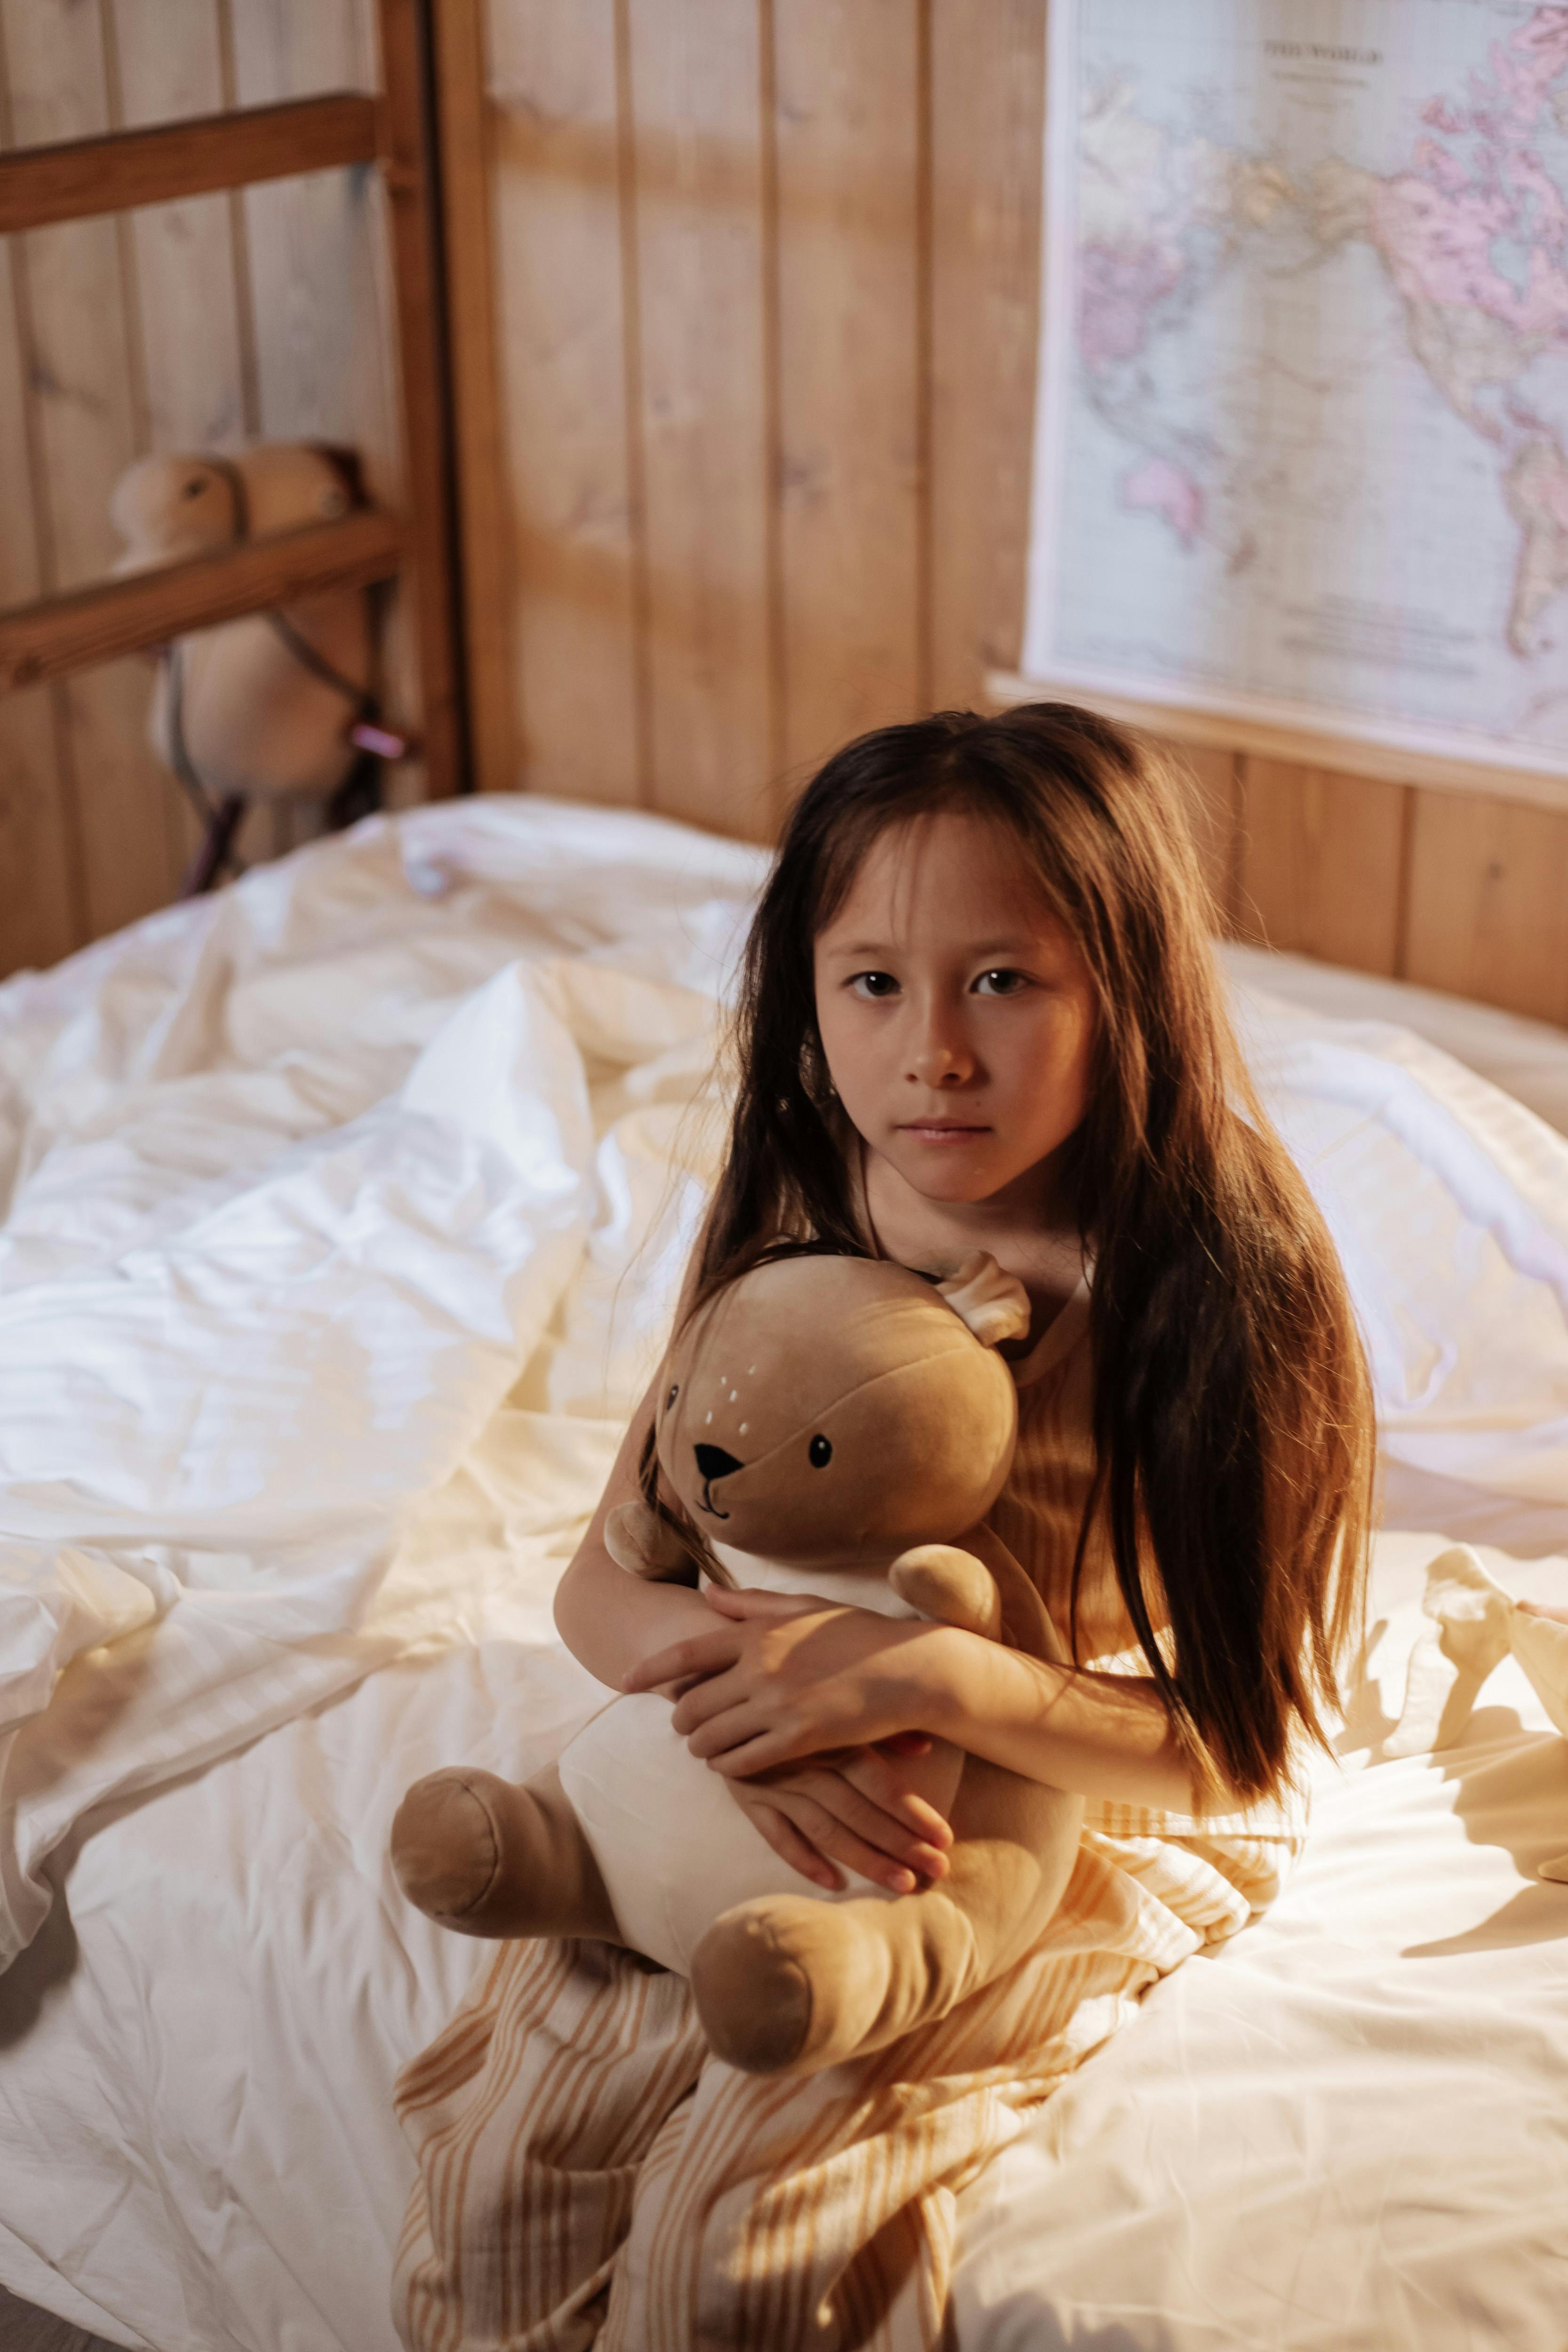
(1477, 1624)
(276, 705)
(826, 1425)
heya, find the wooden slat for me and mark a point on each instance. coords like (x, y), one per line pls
(77, 178)
(1543, 785)
(321, 284)
(408, 164)
(849, 86)
(1489, 903)
(1214, 809)
(41, 915)
(695, 81)
(170, 66)
(466, 164)
(85, 398)
(558, 275)
(1322, 863)
(116, 616)
(988, 89)
(179, 263)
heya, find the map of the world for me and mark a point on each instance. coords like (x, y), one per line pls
(1303, 439)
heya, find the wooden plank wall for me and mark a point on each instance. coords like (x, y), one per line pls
(746, 305)
(758, 282)
(187, 325)
(764, 300)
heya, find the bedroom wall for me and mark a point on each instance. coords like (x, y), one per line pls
(265, 313)
(745, 301)
(750, 300)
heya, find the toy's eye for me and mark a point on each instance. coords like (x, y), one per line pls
(193, 488)
(820, 1453)
(670, 1399)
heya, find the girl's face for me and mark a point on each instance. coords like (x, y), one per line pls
(956, 1012)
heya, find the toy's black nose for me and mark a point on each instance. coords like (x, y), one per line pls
(715, 1463)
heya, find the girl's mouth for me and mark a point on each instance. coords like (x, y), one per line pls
(942, 1131)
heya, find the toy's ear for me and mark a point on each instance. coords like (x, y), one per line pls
(994, 1305)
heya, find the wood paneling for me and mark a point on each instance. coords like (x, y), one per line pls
(178, 263)
(564, 361)
(1321, 862)
(86, 386)
(1214, 810)
(137, 332)
(1489, 902)
(41, 913)
(698, 153)
(987, 103)
(851, 80)
(466, 168)
(746, 306)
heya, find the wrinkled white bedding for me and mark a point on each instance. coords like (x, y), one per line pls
(342, 1215)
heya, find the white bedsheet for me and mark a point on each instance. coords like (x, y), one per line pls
(343, 1215)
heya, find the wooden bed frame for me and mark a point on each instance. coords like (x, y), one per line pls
(80, 178)
(741, 304)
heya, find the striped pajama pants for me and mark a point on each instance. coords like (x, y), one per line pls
(589, 2175)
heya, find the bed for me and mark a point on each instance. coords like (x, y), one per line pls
(342, 1213)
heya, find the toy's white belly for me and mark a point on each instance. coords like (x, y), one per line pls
(673, 1847)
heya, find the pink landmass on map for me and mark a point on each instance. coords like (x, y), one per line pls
(1440, 115)
(1118, 287)
(1157, 486)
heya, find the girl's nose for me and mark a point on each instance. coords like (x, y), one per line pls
(943, 1060)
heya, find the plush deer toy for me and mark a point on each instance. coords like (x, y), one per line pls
(266, 707)
(827, 1425)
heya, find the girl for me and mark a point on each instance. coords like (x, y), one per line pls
(980, 1011)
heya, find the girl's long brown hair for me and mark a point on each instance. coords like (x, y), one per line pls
(1232, 1408)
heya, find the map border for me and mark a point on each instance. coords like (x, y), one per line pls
(1492, 756)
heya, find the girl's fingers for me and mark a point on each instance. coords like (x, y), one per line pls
(834, 1839)
(723, 1724)
(871, 1772)
(753, 1600)
(761, 1752)
(873, 1831)
(703, 1702)
(791, 1847)
(683, 1662)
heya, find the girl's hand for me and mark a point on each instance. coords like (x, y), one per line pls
(786, 1677)
(851, 1810)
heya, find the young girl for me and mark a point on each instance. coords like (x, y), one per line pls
(980, 1010)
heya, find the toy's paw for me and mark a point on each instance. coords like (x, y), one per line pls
(950, 1586)
(782, 1986)
(643, 1544)
(444, 1847)
(994, 1305)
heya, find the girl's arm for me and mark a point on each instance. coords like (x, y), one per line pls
(851, 1809)
(782, 1678)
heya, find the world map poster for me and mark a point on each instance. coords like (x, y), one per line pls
(1302, 447)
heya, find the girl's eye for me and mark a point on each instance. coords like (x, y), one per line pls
(670, 1399)
(874, 985)
(820, 1452)
(1000, 983)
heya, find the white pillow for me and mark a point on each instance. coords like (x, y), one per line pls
(1449, 1202)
